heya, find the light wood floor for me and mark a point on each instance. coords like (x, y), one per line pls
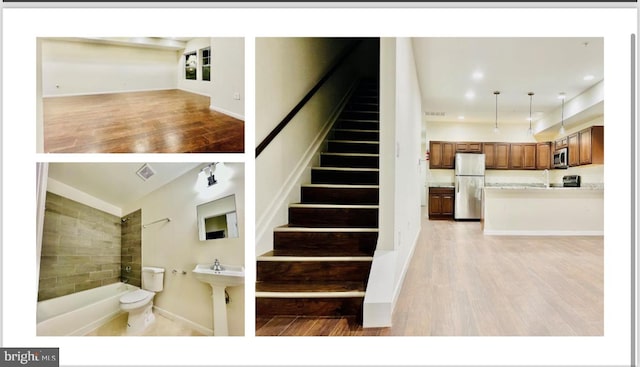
(171, 121)
(462, 283)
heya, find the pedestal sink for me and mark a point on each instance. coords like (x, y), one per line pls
(219, 280)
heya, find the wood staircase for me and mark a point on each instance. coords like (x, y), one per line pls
(321, 260)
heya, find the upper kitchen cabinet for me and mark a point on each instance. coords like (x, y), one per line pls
(489, 150)
(523, 156)
(442, 154)
(543, 155)
(496, 155)
(574, 149)
(469, 147)
(561, 143)
(586, 146)
(591, 141)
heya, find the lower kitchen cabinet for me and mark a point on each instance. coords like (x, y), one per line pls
(441, 202)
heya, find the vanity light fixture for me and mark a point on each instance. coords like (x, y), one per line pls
(530, 102)
(208, 171)
(562, 97)
(495, 129)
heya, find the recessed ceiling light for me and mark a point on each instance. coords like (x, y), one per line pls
(478, 75)
(470, 95)
(460, 117)
(588, 77)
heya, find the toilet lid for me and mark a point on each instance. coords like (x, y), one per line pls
(135, 296)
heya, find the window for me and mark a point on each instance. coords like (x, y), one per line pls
(190, 66)
(206, 64)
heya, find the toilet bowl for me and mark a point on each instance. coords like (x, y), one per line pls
(139, 303)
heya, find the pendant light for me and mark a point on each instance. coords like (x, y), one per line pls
(562, 96)
(495, 129)
(530, 102)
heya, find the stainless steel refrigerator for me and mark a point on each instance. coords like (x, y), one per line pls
(469, 184)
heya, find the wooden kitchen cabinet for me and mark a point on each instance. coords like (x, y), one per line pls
(523, 156)
(591, 142)
(441, 202)
(561, 143)
(503, 151)
(543, 156)
(489, 150)
(442, 154)
(574, 149)
(469, 147)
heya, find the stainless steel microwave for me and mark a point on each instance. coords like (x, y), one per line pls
(561, 158)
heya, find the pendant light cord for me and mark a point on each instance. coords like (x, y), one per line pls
(530, 102)
(562, 113)
(496, 94)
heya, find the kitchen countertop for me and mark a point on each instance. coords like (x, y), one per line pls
(553, 186)
(442, 184)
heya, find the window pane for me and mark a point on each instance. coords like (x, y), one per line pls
(205, 73)
(190, 63)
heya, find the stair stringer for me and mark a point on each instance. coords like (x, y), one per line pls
(276, 212)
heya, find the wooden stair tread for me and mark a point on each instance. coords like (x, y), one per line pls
(270, 256)
(310, 287)
(287, 228)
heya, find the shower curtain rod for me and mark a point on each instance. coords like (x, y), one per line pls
(157, 221)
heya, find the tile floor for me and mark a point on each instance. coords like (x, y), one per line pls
(163, 326)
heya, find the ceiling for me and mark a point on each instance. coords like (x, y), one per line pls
(118, 184)
(163, 43)
(458, 76)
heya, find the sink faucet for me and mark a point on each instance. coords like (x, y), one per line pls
(546, 178)
(216, 265)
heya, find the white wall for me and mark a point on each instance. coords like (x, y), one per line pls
(227, 76)
(175, 245)
(286, 69)
(198, 86)
(400, 179)
(76, 68)
(82, 197)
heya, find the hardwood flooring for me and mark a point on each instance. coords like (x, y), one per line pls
(169, 121)
(463, 283)
(314, 326)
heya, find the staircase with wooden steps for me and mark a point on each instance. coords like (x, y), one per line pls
(321, 260)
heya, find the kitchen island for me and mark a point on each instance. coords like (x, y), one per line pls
(543, 211)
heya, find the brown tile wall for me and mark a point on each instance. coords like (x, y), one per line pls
(81, 248)
(131, 252)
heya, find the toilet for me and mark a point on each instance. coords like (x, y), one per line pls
(139, 303)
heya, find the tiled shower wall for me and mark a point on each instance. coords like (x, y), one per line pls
(131, 252)
(81, 248)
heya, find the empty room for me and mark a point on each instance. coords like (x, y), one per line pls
(140, 95)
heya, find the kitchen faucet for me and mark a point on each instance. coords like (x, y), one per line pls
(216, 265)
(546, 178)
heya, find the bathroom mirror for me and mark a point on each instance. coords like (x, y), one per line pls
(218, 219)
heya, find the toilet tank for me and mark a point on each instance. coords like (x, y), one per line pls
(152, 278)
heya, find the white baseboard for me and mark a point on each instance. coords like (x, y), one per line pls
(541, 233)
(226, 112)
(191, 324)
(105, 92)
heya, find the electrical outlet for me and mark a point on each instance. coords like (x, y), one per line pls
(236, 96)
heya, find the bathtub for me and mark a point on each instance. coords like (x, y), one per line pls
(81, 312)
